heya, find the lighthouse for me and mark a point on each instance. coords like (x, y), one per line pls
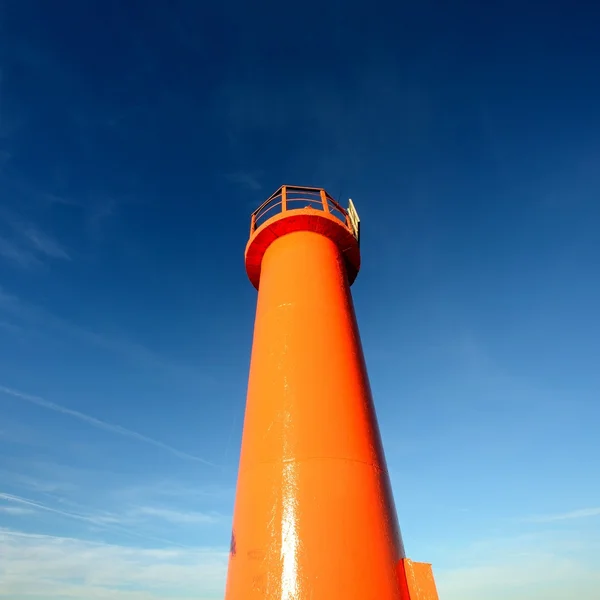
(314, 516)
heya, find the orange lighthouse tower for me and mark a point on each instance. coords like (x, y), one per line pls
(314, 516)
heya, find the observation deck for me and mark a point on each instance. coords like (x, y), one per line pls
(294, 208)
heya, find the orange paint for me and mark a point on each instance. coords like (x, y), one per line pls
(416, 580)
(314, 516)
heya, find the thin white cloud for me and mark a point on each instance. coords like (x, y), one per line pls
(535, 576)
(582, 513)
(17, 255)
(178, 517)
(245, 179)
(43, 243)
(40, 567)
(27, 502)
(36, 482)
(117, 429)
(28, 245)
(11, 328)
(166, 505)
(169, 489)
(546, 565)
(103, 520)
(39, 319)
(56, 199)
(16, 510)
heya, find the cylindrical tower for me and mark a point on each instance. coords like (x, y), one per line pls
(314, 516)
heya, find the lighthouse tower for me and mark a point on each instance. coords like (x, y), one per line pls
(314, 516)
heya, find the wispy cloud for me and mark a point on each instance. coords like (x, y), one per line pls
(117, 429)
(43, 479)
(25, 244)
(103, 520)
(141, 501)
(90, 212)
(582, 513)
(16, 254)
(339, 118)
(540, 566)
(42, 566)
(34, 504)
(16, 510)
(246, 179)
(178, 516)
(540, 576)
(168, 489)
(41, 319)
(43, 243)
(51, 199)
(11, 327)
(99, 211)
(140, 511)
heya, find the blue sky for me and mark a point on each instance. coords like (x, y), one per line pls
(135, 140)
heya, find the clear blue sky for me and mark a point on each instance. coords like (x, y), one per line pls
(136, 138)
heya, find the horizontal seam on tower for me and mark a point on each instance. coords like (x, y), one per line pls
(290, 460)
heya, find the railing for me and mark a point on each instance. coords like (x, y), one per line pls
(290, 197)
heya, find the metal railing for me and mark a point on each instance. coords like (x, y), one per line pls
(289, 197)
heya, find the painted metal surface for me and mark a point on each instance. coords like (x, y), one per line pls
(307, 219)
(293, 208)
(416, 580)
(314, 516)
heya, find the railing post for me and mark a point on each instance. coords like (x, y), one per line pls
(283, 199)
(324, 201)
(253, 223)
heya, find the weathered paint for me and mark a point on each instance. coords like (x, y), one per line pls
(416, 580)
(314, 516)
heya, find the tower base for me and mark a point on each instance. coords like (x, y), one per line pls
(416, 581)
